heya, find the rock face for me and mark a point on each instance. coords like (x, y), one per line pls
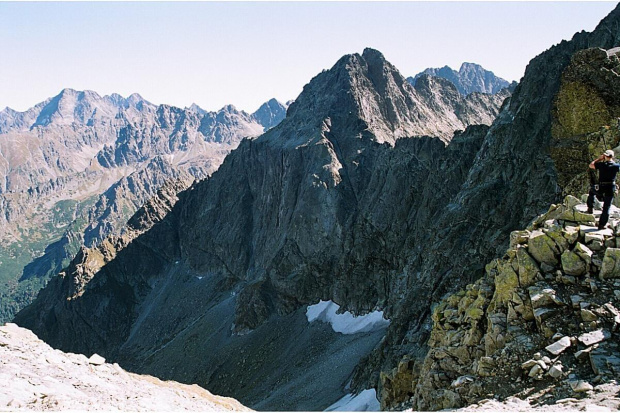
(78, 165)
(344, 201)
(469, 79)
(299, 215)
(42, 378)
(521, 330)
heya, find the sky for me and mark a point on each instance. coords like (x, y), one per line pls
(245, 53)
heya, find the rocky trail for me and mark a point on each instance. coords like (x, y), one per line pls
(539, 330)
(37, 377)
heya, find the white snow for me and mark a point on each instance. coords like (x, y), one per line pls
(345, 323)
(366, 401)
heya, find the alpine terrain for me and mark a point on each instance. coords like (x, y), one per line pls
(470, 78)
(366, 246)
(75, 167)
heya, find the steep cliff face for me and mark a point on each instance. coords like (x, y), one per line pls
(325, 206)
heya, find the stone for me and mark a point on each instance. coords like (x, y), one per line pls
(486, 366)
(528, 364)
(543, 248)
(594, 337)
(555, 371)
(583, 354)
(586, 229)
(571, 234)
(580, 386)
(587, 315)
(559, 346)
(462, 380)
(518, 238)
(542, 296)
(505, 284)
(96, 360)
(527, 268)
(535, 371)
(572, 263)
(575, 300)
(611, 264)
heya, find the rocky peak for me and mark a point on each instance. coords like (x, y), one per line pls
(270, 114)
(369, 94)
(471, 77)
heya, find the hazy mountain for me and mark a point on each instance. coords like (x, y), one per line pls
(470, 78)
(76, 166)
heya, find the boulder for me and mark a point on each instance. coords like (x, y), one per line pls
(555, 371)
(593, 337)
(542, 296)
(543, 248)
(611, 264)
(527, 268)
(572, 264)
(559, 346)
(580, 386)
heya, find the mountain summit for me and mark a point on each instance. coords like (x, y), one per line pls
(470, 78)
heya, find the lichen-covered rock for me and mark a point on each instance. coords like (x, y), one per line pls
(611, 264)
(572, 264)
(543, 248)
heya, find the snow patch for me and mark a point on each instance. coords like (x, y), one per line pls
(366, 401)
(345, 323)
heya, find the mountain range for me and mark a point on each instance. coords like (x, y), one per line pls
(78, 165)
(470, 78)
(212, 284)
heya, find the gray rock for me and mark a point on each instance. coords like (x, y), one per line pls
(593, 337)
(555, 371)
(580, 386)
(96, 360)
(559, 346)
(611, 264)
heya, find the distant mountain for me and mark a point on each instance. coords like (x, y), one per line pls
(470, 78)
(76, 166)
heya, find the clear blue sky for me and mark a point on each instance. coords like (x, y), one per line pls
(244, 53)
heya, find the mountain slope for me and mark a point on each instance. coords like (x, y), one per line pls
(78, 165)
(321, 207)
(469, 79)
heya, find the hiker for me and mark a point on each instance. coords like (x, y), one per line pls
(607, 170)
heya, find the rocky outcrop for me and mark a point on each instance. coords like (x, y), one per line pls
(470, 78)
(514, 178)
(532, 326)
(42, 378)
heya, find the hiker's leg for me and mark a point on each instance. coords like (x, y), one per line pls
(590, 202)
(608, 198)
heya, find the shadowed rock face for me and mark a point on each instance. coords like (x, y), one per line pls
(333, 204)
(327, 205)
